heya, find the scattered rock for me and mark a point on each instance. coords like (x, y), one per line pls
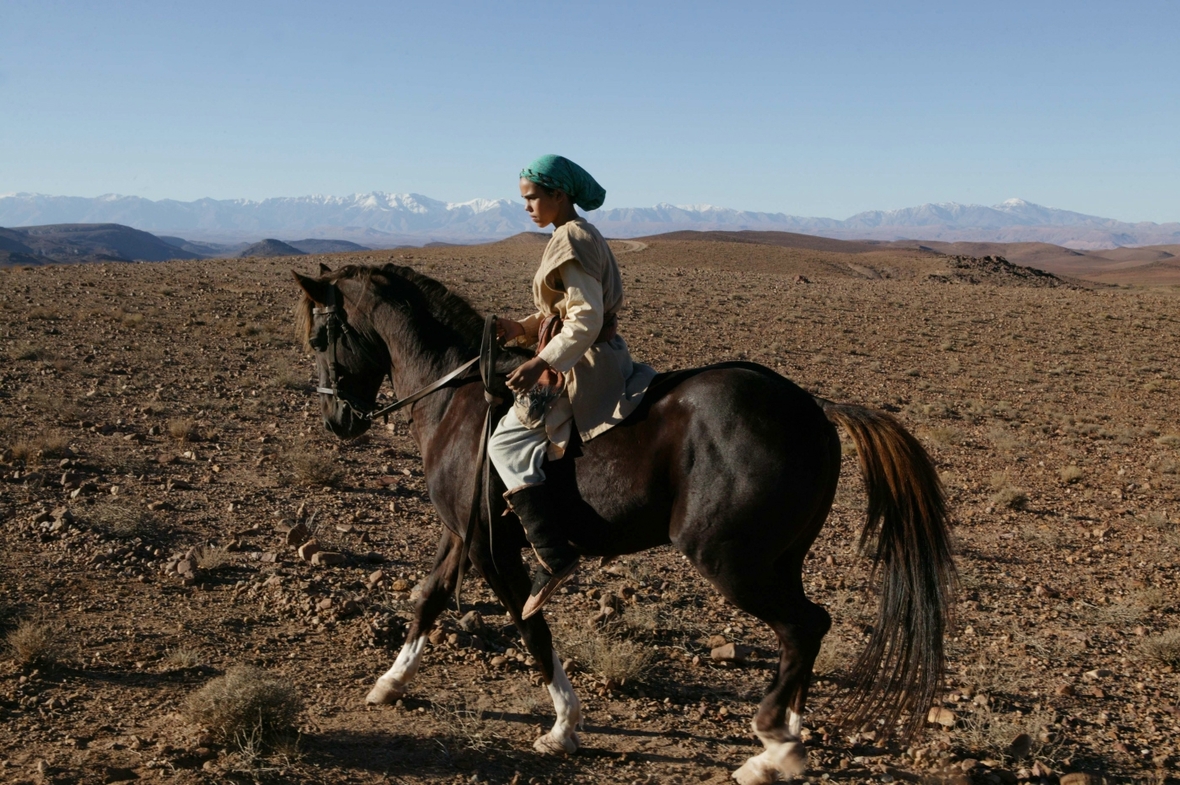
(730, 652)
(940, 716)
(308, 549)
(472, 621)
(327, 558)
(297, 535)
(1020, 746)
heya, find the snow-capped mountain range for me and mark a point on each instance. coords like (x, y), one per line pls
(384, 219)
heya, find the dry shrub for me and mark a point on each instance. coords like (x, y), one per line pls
(183, 429)
(466, 723)
(35, 643)
(616, 659)
(991, 734)
(1163, 649)
(183, 658)
(313, 468)
(1070, 474)
(211, 559)
(47, 447)
(123, 522)
(944, 436)
(247, 706)
(1004, 440)
(1006, 494)
(1169, 440)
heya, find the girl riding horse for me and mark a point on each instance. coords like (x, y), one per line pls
(582, 376)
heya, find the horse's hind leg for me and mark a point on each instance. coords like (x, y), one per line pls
(778, 722)
(775, 595)
(436, 591)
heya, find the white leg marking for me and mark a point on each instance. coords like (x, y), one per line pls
(781, 759)
(567, 707)
(392, 686)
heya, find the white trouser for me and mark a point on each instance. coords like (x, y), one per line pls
(517, 452)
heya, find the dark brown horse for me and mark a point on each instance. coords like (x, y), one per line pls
(732, 464)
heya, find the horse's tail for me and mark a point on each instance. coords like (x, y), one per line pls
(906, 529)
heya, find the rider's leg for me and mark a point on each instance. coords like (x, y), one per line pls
(517, 453)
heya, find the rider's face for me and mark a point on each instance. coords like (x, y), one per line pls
(542, 207)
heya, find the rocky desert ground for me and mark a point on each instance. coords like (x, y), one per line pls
(160, 440)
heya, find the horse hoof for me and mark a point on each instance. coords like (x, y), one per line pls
(555, 743)
(384, 692)
(756, 771)
(792, 759)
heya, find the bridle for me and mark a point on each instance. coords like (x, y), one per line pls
(328, 327)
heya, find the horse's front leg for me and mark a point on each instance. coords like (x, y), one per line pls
(435, 593)
(509, 579)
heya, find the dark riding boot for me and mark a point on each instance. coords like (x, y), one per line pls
(558, 558)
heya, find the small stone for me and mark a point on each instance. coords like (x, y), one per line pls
(499, 662)
(1080, 778)
(186, 567)
(63, 514)
(437, 636)
(401, 585)
(308, 549)
(730, 652)
(324, 604)
(1096, 674)
(1046, 591)
(472, 621)
(159, 506)
(1020, 746)
(940, 716)
(376, 576)
(348, 608)
(297, 535)
(327, 558)
(1064, 689)
(716, 641)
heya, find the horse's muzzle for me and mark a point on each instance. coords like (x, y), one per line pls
(344, 421)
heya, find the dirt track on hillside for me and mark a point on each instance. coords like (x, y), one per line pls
(174, 403)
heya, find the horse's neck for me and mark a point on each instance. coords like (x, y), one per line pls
(415, 366)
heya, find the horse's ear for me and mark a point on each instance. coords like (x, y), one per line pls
(324, 269)
(316, 289)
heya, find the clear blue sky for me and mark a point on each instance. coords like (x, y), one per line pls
(806, 108)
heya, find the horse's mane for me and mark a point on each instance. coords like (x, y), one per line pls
(446, 307)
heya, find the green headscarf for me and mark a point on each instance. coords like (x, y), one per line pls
(555, 171)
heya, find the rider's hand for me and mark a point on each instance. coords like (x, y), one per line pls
(525, 377)
(507, 330)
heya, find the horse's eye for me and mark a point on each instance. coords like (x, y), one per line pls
(319, 338)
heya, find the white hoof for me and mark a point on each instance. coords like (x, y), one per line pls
(557, 743)
(757, 771)
(784, 761)
(385, 691)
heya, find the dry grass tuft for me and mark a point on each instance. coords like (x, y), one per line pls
(617, 660)
(183, 429)
(466, 723)
(1006, 494)
(1169, 440)
(210, 559)
(35, 643)
(247, 707)
(991, 733)
(1163, 649)
(123, 522)
(183, 658)
(313, 468)
(48, 447)
(1071, 474)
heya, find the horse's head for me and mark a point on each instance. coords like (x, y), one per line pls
(351, 358)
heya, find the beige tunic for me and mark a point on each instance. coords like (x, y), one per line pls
(579, 280)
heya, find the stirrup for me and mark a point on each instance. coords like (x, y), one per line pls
(540, 595)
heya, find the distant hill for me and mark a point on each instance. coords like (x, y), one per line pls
(56, 243)
(326, 246)
(270, 247)
(783, 239)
